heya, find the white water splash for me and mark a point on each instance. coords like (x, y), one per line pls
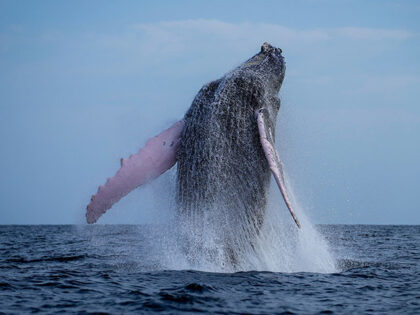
(285, 248)
(279, 247)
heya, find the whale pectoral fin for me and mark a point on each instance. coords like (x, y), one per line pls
(267, 141)
(155, 158)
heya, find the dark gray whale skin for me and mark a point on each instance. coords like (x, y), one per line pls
(221, 163)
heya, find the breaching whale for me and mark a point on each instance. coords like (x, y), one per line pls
(224, 151)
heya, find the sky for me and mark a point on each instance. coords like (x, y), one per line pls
(83, 83)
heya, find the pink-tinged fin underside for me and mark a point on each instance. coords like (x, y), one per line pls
(155, 158)
(276, 166)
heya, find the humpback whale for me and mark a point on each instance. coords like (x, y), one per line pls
(224, 151)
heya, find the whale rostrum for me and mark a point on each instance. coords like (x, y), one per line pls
(223, 147)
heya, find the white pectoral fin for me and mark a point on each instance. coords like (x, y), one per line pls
(155, 158)
(267, 141)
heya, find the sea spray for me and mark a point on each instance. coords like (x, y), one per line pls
(279, 247)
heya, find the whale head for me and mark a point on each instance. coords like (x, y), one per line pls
(269, 66)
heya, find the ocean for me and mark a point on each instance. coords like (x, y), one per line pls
(127, 268)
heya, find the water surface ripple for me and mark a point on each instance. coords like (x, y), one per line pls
(109, 269)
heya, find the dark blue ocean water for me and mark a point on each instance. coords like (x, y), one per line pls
(109, 269)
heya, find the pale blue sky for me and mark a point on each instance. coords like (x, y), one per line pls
(83, 83)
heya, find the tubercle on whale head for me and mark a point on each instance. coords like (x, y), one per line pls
(267, 47)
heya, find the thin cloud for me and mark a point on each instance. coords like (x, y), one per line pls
(175, 31)
(373, 34)
(236, 32)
